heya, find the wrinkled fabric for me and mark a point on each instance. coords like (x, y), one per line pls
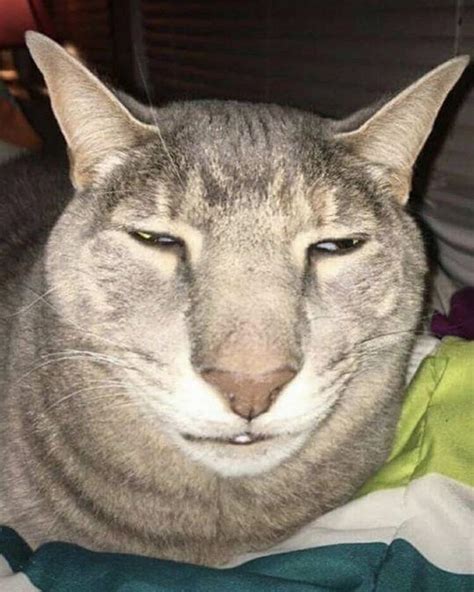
(459, 322)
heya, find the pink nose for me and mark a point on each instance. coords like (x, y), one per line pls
(249, 395)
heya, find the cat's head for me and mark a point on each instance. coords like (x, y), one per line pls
(253, 264)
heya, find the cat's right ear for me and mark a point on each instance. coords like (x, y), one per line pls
(392, 136)
(95, 124)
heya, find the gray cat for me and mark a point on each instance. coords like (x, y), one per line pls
(204, 343)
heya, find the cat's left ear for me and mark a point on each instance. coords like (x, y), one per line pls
(95, 124)
(394, 136)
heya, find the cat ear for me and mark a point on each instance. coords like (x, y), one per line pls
(394, 136)
(94, 122)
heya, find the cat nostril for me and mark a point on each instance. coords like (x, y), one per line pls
(249, 395)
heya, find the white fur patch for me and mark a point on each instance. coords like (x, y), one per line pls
(193, 408)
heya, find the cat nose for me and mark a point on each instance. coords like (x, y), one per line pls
(249, 395)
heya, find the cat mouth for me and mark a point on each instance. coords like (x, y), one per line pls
(242, 439)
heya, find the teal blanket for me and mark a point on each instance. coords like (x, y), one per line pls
(408, 529)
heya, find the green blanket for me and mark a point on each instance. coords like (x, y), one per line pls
(409, 528)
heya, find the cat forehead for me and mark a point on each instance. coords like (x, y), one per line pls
(225, 122)
(240, 137)
(219, 159)
(213, 198)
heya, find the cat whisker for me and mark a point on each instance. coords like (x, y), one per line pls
(64, 358)
(115, 399)
(121, 346)
(155, 120)
(30, 305)
(74, 324)
(88, 354)
(111, 384)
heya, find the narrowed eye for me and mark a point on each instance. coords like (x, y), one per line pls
(338, 246)
(158, 240)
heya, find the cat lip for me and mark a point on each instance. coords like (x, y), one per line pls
(242, 439)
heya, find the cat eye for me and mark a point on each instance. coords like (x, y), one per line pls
(338, 246)
(166, 241)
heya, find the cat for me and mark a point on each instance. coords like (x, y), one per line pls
(204, 335)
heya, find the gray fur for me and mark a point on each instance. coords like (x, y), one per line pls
(88, 447)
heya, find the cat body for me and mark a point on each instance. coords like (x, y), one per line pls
(204, 342)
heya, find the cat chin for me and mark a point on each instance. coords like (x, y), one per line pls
(240, 460)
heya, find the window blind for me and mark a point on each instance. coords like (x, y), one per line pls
(87, 24)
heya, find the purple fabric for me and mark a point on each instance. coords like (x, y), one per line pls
(460, 320)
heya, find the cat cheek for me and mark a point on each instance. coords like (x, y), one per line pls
(167, 265)
(330, 268)
(157, 263)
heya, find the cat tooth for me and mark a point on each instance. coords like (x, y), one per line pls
(242, 439)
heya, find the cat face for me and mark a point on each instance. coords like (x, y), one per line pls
(249, 263)
(244, 254)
